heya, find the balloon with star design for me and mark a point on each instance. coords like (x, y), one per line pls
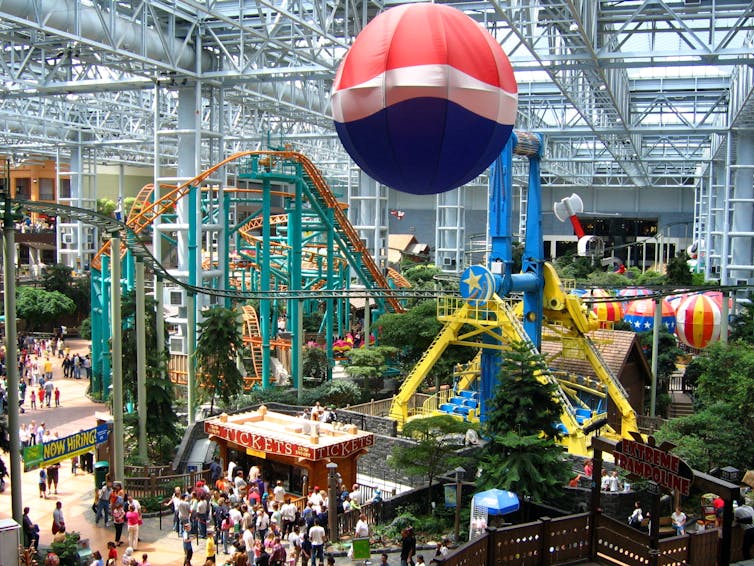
(640, 315)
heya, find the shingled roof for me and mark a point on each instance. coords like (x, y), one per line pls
(615, 346)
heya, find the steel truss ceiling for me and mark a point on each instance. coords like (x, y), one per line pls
(628, 93)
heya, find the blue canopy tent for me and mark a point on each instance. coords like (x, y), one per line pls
(495, 502)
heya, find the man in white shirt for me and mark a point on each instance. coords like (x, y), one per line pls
(317, 537)
(355, 496)
(279, 492)
(248, 541)
(317, 500)
(239, 483)
(288, 516)
(294, 542)
(235, 515)
(362, 527)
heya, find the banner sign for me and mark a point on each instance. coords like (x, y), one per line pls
(450, 490)
(653, 464)
(59, 449)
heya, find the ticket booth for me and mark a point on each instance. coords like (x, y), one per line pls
(290, 447)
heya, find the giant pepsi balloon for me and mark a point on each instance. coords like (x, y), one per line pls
(425, 99)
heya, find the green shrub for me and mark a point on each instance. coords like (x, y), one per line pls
(67, 550)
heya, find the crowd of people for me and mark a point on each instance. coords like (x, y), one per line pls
(253, 521)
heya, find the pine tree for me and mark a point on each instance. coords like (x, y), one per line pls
(522, 454)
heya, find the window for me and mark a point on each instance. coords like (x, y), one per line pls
(23, 188)
(46, 189)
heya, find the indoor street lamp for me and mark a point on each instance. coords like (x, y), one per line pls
(459, 472)
(332, 501)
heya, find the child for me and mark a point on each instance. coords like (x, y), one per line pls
(420, 560)
(210, 548)
(41, 396)
(57, 397)
(43, 483)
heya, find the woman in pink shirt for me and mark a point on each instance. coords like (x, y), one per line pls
(132, 520)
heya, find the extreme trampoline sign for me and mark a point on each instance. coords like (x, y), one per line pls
(49, 453)
(654, 464)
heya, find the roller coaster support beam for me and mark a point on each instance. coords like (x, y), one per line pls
(266, 284)
(116, 357)
(191, 357)
(141, 359)
(296, 306)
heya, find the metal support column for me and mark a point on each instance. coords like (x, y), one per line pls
(117, 466)
(141, 360)
(11, 350)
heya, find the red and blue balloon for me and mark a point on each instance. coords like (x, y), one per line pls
(425, 99)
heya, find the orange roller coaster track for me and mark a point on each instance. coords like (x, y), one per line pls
(144, 213)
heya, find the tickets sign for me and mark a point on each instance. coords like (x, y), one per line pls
(263, 443)
(54, 451)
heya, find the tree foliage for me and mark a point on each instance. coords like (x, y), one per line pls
(678, 271)
(434, 451)
(742, 326)
(60, 278)
(412, 333)
(162, 422)
(217, 350)
(338, 393)
(315, 364)
(667, 354)
(41, 309)
(522, 454)
(368, 365)
(721, 432)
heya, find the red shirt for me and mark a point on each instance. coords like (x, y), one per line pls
(112, 553)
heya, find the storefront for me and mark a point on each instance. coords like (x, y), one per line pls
(292, 449)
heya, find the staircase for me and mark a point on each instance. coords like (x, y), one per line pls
(681, 405)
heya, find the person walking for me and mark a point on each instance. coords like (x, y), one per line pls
(52, 477)
(317, 536)
(43, 483)
(119, 518)
(132, 520)
(408, 546)
(188, 549)
(103, 503)
(58, 521)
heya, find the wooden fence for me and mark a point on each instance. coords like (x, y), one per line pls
(161, 486)
(567, 540)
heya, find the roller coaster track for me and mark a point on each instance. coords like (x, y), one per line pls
(150, 210)
(110, 225)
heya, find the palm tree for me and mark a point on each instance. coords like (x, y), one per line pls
(217, 349)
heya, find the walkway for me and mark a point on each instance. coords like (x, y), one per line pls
(76, 492)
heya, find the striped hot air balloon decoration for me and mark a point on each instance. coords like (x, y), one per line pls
(608, 312)
(698, 321)
(425, 99)
(632, 292)
(640, 315)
